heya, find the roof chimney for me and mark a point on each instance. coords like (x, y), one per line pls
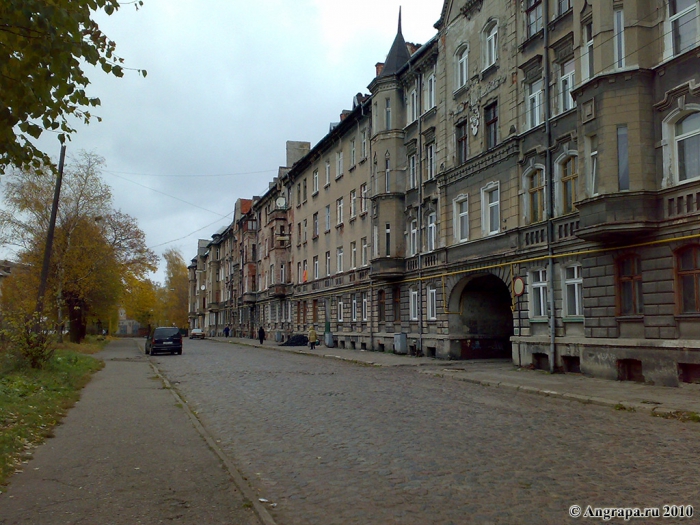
(379, 66)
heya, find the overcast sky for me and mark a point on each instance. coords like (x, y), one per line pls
(229, 82)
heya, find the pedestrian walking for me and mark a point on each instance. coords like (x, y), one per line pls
(261, 335)
(226, 331)
(313, 338)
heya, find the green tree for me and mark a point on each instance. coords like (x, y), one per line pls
(43, 48)
(97, 249)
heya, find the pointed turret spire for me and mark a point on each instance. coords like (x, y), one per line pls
(398, 54)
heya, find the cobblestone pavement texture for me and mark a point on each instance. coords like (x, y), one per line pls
(126, 454)
(332, 442)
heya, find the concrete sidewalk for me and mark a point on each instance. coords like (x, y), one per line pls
(664, 401)
(128, 454)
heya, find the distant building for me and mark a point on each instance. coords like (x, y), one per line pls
(525, 184)
(127, 327)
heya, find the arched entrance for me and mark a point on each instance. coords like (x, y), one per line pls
(482, 317)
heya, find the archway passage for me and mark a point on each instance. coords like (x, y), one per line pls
(487, 319)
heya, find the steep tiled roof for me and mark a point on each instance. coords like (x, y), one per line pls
(398, 54)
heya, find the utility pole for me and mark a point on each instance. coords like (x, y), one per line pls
(49, 238)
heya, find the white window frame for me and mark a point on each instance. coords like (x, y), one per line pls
(566, 84)
(328, 218)
(340, 308)
(364, 306)
(462, 66)
(364, 253)
(670, 32)
(573, 285)
(353, 204)
(533, 17)
(430, 93)
(339, 260)
(328, 264)
(412, 112)
(619, 37)
(414, 305)
(387, 113)
(587, 64)
(487, 207)
(328, 172)
(315, 182)
(353, 153)
(363, 197)
(413, 236)
(387, 175)
(430, 160)
(432, 231)
(353, 255)
(679, 138)
(363, 143)
(339, 211)
(535, 103)
(432, 304)
(338, 164)
(538, 293)
(315, 266)
(461, 218)
(282, 275)
(490, 36)
(353, 310)
(593, 167)
(412, 175)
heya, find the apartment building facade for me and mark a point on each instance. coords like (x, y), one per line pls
(525, 184)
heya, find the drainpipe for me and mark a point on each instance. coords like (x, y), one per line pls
(550, 194)
(419, 176)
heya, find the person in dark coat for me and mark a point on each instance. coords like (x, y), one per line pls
(261, 335)
(226, 331)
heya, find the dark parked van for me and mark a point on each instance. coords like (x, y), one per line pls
(164, 339)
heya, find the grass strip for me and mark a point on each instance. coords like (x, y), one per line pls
(33, 402)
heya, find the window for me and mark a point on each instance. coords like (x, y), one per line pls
(299, 274)
(375, 243)
(430, 93)
(315, 266)
(566, 83)
(490, 202)
(328, 264)
(339, 260)
(363, 144)
(272, 274)
(387, 113)
(629, 285)
(328, 172)
(354, 307)
(619, 38)
(298, 233)
(432, 231)
(414, 305)
(623, 168)
(353, 255)
(363, 198)
(563, 6)
(339, 211)
(593, 164)
(306, 271)
(462, 218)
(315, 182)
(687, 140)
(328, 218)
(381, 306)
(412, 175)
(387, 174)
(412, 113)
(339, 164)
(388, 239)
(535, 104)
(364, 306)
(432, 304)
(430, 161)
(688, 278)
(573, 287)
(353, 154)
(587, 52)
(315, 225)
(539, 293)
(491, 45)
(462, 142)
(363, 241)
(353, 204)
(569, 180)
(298, 194)
(305, 229)
(304, 186)
(533, 15)
(537, 196)
(682, 16)
(413, 243)
(340, 308)
(282, 275)
(462, 67)
(491, 123)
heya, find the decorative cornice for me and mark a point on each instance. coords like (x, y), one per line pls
(471, 7)
(688, 88)
(480, 163)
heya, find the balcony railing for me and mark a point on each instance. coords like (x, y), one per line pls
(616, 216)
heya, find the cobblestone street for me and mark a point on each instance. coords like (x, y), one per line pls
(330, 442)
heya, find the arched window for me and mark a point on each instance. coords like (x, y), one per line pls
(569, 180)
(688, 279)
(537, 196)
(687, 142)
(462, 68)
(490, 44)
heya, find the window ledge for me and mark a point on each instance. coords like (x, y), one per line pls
(536, 36)
(327, 231)
(363, 214)
(488, 70)
(327, 185)
(353, 219)
(573, 319)
(339, 226)
(429, 113)
(314, 194)
(362, 161)
(636, 318)
(339, 176)
(540, 320)
(352, 168)
(460, 90)
(314, 237)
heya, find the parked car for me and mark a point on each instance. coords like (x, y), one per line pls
(197, 333)
(164, 339)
